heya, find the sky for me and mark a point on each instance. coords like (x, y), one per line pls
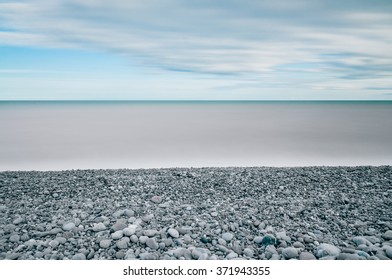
(196, 50)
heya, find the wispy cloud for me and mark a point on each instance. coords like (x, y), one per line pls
(326, 41)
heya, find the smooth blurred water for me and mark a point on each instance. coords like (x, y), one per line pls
(86, 135)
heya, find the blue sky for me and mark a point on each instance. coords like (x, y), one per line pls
(209, 50)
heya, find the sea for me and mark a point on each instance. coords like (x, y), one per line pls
(64, 135)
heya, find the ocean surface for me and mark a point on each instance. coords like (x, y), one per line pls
(98, 135)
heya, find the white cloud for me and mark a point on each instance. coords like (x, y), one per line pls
(252, 38)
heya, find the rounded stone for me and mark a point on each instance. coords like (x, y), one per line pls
(152, 243)
(387, 235)
(134, 238)
(248, 252)
(129, 231)
(360, 240)
(104, 244)
(117, 235)
(68, 226)
(119, 225)
(258, 239)
(15, 238)
(227, 236)
(298, 244)
(307, 256)
(326, 249)
(388, 252)
(156, 199)
(99, 227)
(123, 243)
(173, 233)
(290, 253)
(79, 256)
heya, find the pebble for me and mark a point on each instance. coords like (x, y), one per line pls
(232, 255)
(227, 236)
(69, 226)
(156, 199)
(123, 243)
(152, 243)
(117, 235)
(119, 225)
(134, 239)
(248, 252)
(387, 235)
(143, 239)
(15, 238)
(290, 253)
(388, 252)
(347, 256)
(325, 249)
(360, 240)
(79, 256)
(17, 221)
(105, 243)
(150, 232)
(307, 256)
(128, 231)
(173, 233)
(54, 244)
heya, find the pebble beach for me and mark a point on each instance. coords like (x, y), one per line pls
(305, 213)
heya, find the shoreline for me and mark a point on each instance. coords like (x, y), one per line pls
(318, 212)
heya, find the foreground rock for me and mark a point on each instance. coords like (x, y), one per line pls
(327, 213)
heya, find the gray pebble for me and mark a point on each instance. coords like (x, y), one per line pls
(387, 235)
(15, 238)
(156, 199)
(388, 252)
(173, 233)
(325, 249)
(307, 256)
(227, 236)
(104, 244)
(117, 235)
(68, 226)
(290, 253)
(99, 227)
(248, 252)
(123, 243)
(150, 232)
(152, 243)
(17, 221)
(79, 256)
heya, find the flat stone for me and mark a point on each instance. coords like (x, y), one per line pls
(232, 255)
(148, 256)
(156, 199)
(150, 232)
(298, 244)
(360, 240)
(68, 226)
(143, 239)
(119, 225)
(173, 233)
(198, 252)
(99, 227)
(17, 221)
(387, 235)
(152, 243)
(104, 244)
(227, 236)
(307, 256)
(79, 256)
(290, 253)
(325, 249)
(347, 256)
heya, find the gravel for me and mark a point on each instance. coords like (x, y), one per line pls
(341, 213)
